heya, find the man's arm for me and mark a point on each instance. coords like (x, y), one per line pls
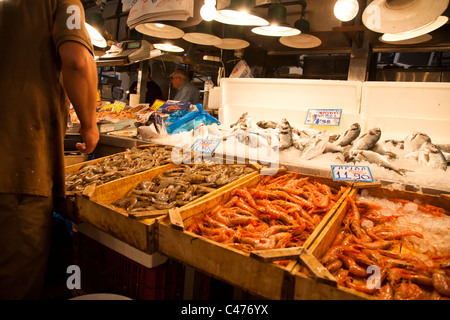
(80, 81)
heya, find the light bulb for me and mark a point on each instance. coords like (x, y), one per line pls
(346, 10)
(208, 10)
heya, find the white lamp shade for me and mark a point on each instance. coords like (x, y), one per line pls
(160, 30)
(395, 16)
(302, 41)
(400, 36)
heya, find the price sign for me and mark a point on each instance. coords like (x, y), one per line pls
(205, 146)
(324, 117)
(352, 173)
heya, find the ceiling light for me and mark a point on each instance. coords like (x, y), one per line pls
(160, 30)
(419, 39)
(208, 10)
(168, 47)
(96, 38)
(346, 10)
(239, 12)
(439, 22)
(302, 41)
(231, 38)
(203, 34)
(395, 16)
(278, 26)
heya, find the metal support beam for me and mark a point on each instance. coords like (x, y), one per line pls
(359, 61)
(142, 81)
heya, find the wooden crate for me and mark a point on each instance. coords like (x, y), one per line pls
(252, 272)
(94, 205)
(328, 234)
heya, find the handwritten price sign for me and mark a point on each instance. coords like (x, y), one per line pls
(205, 146)
(324, 117)
(352, 173)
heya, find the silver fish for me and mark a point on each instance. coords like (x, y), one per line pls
(381, 149)
(376, 158)
(243, 122)
(267, 124)
(314, 146)
(431, 156)
(414, 141)
(349, 135)
(285, 134)
(368, 140)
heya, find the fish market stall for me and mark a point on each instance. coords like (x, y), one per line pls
(398, 130)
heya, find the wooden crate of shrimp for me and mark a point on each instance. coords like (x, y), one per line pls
(149, 194)
(389, 244)
(115, 166)
(237, 229)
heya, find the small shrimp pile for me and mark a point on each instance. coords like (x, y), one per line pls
(370, 254)
(117, 166)
(178, 186)
(280, 211)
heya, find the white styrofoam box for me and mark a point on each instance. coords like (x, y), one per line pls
(401, 108)
(275, 99)
(215, 97)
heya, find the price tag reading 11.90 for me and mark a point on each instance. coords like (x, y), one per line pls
(352, 173)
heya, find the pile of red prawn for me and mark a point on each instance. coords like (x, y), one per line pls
(402, 276)
(280, 211)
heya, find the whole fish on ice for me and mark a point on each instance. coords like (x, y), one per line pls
(285, 134)
(414, 141)
(431, 156)
(349, 135)
(368, 140)
(376, 158)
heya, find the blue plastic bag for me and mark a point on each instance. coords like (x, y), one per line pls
(191, 121)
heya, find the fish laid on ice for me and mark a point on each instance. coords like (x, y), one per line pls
(431, 156)
(243, 122)
(349, 135)
(315, 146)
(285, 134)
(376, 158)
(414, 141)
(381, 149)
(368, 140)
(267, 124)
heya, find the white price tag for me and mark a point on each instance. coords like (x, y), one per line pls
(351, 173)
(205, 146)
(324, 117)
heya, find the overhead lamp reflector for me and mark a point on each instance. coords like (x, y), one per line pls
(168, 47)
(239, 12)
(278, 26)
(160, 30)
(439, 22)
(419, 39)
(396, 16)
(203, 34)
(302, 41)
(96, 38)
(232, 44)
(346, 10)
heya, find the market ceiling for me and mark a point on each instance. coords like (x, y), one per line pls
(335, 36)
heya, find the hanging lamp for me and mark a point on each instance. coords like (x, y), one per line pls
(240, 12)
(278, 25)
